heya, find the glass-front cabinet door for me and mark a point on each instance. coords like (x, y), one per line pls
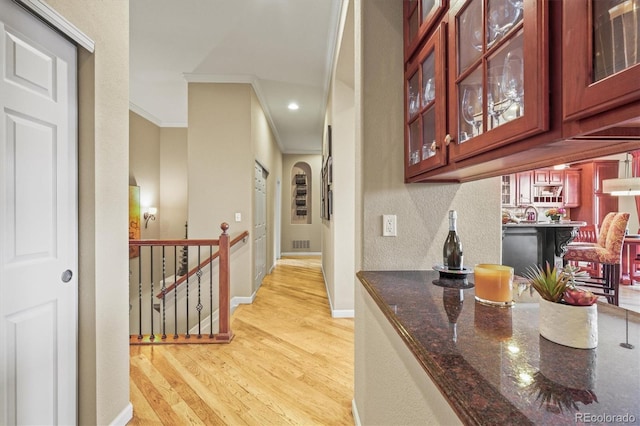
(601, 55)
(419, 16)
(425, 116)
(498, 76)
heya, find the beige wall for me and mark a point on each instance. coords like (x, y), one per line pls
(103, 203)
(339, 234)
(158, 165)
(144, 168)
(227, 134)
(297, 231)
(267, 153)
(172, 211)
(398, 391)
(421, 209)
(220, 172)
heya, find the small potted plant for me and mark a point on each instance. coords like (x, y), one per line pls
(556, 214)
(568, 314)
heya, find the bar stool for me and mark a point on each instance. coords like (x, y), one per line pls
(587, 235)
(607, 251)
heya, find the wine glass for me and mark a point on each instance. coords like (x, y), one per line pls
(497, 102)
(502, 17)
(513, 79)
(472, 106)
(429, 91)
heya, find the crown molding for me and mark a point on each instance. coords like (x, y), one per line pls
(54, 19)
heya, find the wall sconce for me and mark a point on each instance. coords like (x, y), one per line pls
(150, 214)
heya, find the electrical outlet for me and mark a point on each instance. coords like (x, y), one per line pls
(389, 222)
(238, 217)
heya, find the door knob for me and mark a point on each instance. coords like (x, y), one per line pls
(66, 276)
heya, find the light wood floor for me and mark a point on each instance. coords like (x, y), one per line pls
(289, 363)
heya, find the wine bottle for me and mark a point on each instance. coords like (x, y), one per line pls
(452, 249)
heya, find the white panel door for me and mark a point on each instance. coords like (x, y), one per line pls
(259, 225)
(38, 222)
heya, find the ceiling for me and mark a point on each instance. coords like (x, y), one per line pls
(284, 48)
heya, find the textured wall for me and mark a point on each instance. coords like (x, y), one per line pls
(421, 208)
(393, 388)
(339, 234)
(103, 92)
(421, 211)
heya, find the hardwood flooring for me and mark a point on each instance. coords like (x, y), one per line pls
(289, 363)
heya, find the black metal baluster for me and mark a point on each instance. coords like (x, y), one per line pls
(175, 306)
(139, 293)
(164, 288)
(187, 335)
(199, 305)
(151, 336)
(210, 293)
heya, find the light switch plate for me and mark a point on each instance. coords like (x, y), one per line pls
(238, 217)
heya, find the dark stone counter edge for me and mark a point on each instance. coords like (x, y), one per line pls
(429, 365)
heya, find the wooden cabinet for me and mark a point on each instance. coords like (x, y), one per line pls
(594, 204)
(501, 111)
(601, 57)
(425, 106)
(497, 93)
(492, 94)
(525, 188)
(508, 191)
(545, 188)
(572, 181)
(548, 177)
(419, 17)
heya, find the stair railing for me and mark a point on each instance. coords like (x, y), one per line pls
(183, 334)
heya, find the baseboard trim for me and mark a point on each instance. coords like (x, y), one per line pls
(335, 313)
(354, 412)
(302, 253)
(124, 417)
(342, 313)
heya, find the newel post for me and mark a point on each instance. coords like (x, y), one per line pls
(224, 333)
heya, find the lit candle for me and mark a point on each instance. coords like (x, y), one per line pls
(493, 284)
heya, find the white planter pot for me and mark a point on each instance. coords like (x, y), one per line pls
(573, 326)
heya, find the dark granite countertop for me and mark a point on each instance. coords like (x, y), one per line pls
(498, 369)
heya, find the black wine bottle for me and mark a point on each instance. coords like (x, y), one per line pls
(452, 249)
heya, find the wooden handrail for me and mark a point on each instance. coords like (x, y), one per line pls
(225, 334)
(202, 264)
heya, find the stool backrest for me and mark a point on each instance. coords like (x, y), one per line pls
(587, 234)
(604, 228)
(615, 234)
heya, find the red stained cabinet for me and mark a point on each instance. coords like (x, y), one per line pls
(496, 86)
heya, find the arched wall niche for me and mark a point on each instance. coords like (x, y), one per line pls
(301, 185)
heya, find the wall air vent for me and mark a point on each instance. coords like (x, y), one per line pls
(301, 244)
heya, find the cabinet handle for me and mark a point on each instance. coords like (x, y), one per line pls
(448, 139)
(434, 146)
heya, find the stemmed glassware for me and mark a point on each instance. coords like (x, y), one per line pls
(497, 102)
(472, 106)
(513, 79)
(429, 91)
(502, 17)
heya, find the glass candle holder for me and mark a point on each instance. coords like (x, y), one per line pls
(493, 284)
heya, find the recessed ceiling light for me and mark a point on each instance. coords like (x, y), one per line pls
(293, 106)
